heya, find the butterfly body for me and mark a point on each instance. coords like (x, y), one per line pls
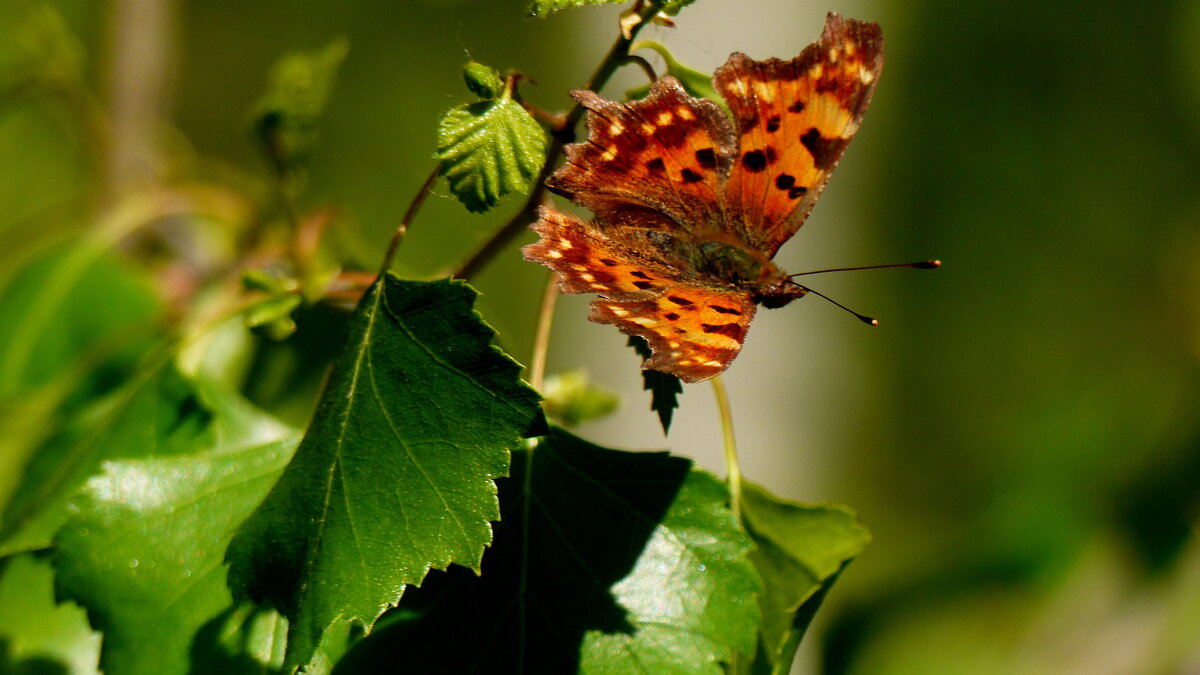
(691, 203)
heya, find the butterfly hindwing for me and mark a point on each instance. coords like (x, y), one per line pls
(694, 331)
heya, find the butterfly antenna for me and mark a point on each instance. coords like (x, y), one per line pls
(870, 321)
(922, 265)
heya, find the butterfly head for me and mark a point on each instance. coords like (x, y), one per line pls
(779, 293)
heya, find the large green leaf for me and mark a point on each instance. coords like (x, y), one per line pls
(396, 474)
(159, 413)
(143, 549)
(800, 549)
(604, 561)
(488, 149)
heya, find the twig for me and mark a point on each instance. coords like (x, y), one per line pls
(411, 213)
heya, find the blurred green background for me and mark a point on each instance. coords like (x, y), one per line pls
(1021, 434)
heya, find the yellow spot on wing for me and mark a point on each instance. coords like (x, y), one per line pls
(684, 113)
(764, 91)
(587, 277)
(616, 128)
(609, 154)
(555, 254)
(664, 118)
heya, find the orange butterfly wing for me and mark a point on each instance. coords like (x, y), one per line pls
(794, 120)
(694, 331)
(670, 181)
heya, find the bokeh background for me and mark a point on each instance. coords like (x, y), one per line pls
(1020, 434)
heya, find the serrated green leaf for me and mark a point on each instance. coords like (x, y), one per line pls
(488, 149)
(665, 389)
(142, 550)
(571, 400)
(604, 561)
(483, 81)
(396, 474)
(800, 549)
(160, 413)
(38, 635)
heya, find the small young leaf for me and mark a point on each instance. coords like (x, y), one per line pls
(488, 149)
(664, 388)
(572, 400)
(396, 473)
(142, 549)
(604, 561)
(286, 116)
(799, 550)
(483, 81)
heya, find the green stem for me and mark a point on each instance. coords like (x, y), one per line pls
(616, 57)
(541, 340)
(733, 470)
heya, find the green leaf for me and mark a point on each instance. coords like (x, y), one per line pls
(38, 635)
(71, 309)
(287, 114)
(396, 473)
(800, 550)
(488, 149)
(142, 551)
(483, 81)
(664, 388)
(572, 400)
(694, 82)
(604, 561)
(160, 413)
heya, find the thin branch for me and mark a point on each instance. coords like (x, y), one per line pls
(411, 213)
(616, 56)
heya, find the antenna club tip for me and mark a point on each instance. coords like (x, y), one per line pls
(870, 321)
(930, 264)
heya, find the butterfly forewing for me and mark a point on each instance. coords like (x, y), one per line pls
(665, 152)
(794, 120)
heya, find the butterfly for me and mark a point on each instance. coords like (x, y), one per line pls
(691, 203)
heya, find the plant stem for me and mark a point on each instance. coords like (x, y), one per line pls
(411, 213)
(616, 56)
(541, 340)
(733, 470)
